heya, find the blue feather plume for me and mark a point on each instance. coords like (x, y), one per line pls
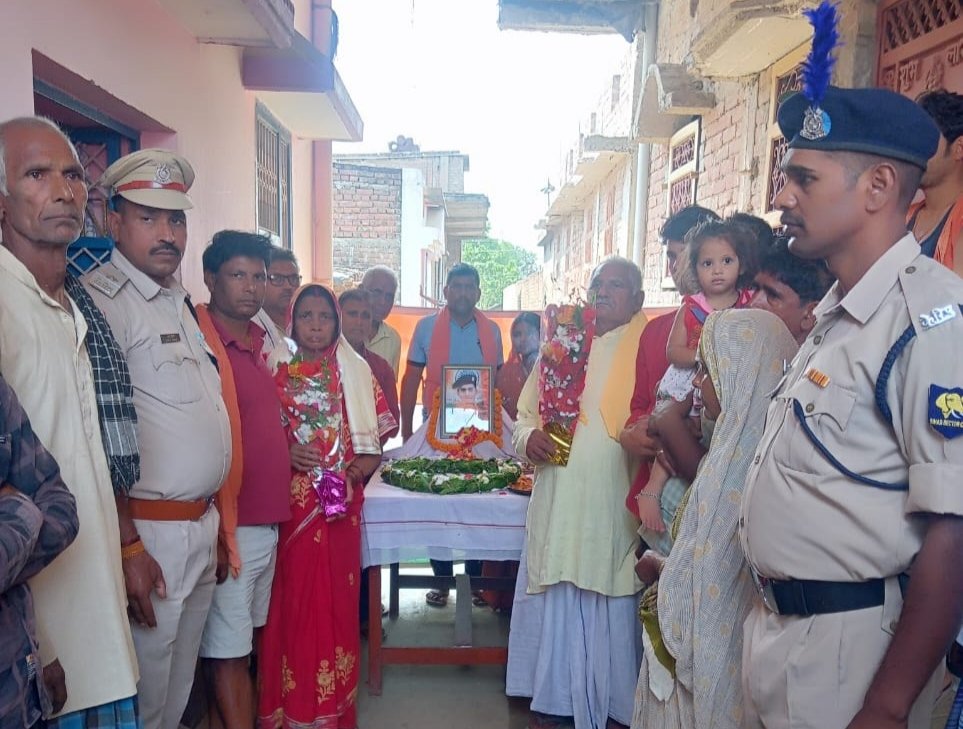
(817, 69)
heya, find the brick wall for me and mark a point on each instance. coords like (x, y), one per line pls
(733, 172)
(444, 170)
(367, 219)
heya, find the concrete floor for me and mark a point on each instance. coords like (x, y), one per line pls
(430, 697)
(449, 697)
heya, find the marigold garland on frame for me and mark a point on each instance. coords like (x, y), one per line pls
(463, 444)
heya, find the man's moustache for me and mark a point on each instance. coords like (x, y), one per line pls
(790, 220)
(165, 249)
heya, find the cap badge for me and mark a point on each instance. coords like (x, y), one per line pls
(816, 124)
(163, 174)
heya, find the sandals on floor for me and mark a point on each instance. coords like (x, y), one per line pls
(478, 601)
(436, 598)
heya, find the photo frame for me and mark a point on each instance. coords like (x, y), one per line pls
(467, 399)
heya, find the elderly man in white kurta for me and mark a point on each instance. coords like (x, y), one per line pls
(574, 644)
(80, 598)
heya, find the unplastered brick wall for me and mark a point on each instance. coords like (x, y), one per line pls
(367, 219)
(727, 174)
(733, 174)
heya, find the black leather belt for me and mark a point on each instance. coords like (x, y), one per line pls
(818, 597)
(815, 597)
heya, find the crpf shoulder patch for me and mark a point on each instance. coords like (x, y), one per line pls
(946, 410)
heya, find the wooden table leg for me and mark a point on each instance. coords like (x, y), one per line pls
(374, 630)
(394, 571)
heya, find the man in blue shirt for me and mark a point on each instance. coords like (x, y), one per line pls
(465, 337)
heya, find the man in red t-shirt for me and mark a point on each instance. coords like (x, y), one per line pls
(235, 272)
(651, 362)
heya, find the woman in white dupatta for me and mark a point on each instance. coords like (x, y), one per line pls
(704, 591)
(309, 657)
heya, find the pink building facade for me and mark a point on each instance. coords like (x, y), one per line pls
(246, 90)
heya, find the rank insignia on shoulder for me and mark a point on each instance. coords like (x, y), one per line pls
(939, 315)
(820, 379)
(946, 410)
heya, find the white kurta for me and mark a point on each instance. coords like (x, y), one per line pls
(578, 527)
(574, 641)
(79, 598)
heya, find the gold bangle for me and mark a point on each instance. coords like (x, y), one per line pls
(132, 550)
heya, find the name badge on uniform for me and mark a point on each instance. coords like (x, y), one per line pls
(170, 338)
(946, 410)
(939, 315)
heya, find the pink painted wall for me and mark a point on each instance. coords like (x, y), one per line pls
(145, 57)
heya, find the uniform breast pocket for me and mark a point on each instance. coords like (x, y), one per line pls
(819, 418)
(175, 374)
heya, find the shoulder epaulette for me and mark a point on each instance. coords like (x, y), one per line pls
(929, 303)
(108, 280)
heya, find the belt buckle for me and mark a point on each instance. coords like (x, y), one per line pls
(764, 588)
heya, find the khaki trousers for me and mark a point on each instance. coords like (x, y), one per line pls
(187, 554)
(813, 672)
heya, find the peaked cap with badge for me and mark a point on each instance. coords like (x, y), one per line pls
(465, 377)
(831, 119)
(155, 178)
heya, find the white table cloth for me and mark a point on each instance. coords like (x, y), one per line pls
(400, 525)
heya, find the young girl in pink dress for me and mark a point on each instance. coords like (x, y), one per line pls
(722, 260)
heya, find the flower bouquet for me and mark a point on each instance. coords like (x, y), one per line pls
(312, 408)
(567, 341)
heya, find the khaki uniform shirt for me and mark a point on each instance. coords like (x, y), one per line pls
(182, 423)
(386, 343)
(804, 519)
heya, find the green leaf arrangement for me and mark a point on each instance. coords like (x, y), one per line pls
(448, 476)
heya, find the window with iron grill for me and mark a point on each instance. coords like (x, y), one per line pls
(273, 178)
(907, 21)
(786, 77)
(682, 179)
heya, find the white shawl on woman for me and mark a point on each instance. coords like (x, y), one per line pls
(705, 591)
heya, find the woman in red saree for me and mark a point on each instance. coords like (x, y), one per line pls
(335, 412)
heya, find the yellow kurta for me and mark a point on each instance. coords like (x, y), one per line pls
(79, 598)
(578, 528)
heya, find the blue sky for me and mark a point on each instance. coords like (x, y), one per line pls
(442, 72)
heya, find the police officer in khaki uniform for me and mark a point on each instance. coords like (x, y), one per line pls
(183, 427)
(851, 517)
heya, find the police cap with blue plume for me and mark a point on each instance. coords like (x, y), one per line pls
(830, 119)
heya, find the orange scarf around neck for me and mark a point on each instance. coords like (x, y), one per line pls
(946, 243)
(439, 353)
(227, 495)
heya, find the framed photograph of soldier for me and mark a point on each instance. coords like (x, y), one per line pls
(467, 399)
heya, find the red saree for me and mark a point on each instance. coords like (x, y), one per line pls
(309, 650)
